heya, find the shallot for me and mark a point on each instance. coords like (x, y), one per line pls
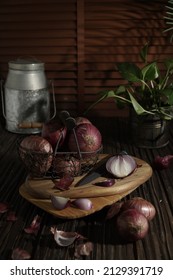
(83, 203)
(142, 206)
(132, 225)
(59, 202)
(121, 165)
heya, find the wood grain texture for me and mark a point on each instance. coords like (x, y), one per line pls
(158, 243)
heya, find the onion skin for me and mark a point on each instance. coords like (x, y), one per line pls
(105, 183)
(69, 166)
(162, 162)
(142, 206)
(132, 225)
(36, 152)
(114, 210)
(4, 207)
(88, 136)
(37, 144)
(80, 120)
(20, 254)
(64, 182)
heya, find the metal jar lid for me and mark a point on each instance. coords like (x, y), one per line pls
(26, 65)
(26, 75)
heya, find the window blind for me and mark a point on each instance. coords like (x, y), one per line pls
(80, 42)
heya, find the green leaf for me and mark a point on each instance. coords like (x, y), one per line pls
(150, 72)
(129, 71)
(144, 52)
(169, 64)
(137, 107)
(169, 93)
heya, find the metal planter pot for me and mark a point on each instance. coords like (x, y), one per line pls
(149, 131)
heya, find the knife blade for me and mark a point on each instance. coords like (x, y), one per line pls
(96, 172)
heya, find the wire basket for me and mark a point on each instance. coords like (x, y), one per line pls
(59, 162)
(56, 165)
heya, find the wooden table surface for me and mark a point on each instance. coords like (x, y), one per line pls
(158, 243)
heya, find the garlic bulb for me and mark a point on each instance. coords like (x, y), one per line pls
(121, 165)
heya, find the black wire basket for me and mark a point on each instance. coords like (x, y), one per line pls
(56, 165)
(60, 162)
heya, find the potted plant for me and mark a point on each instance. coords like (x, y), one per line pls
(149, 94)
(169, 19)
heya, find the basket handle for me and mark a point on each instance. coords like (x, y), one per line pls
(67, 120)
(70, 123)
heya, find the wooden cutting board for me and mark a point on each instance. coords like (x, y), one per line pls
(39, 191)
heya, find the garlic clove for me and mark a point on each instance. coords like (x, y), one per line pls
(64, 238)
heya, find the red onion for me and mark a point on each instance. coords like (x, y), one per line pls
(80, 120)
(88, 136)
(36, 143)
(162, 162)
(121, 165)
(36, 152)
(70, 166)
(142, 206)
(54, 132)
(132, 225)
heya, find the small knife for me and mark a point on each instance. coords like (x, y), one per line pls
(98, 171)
